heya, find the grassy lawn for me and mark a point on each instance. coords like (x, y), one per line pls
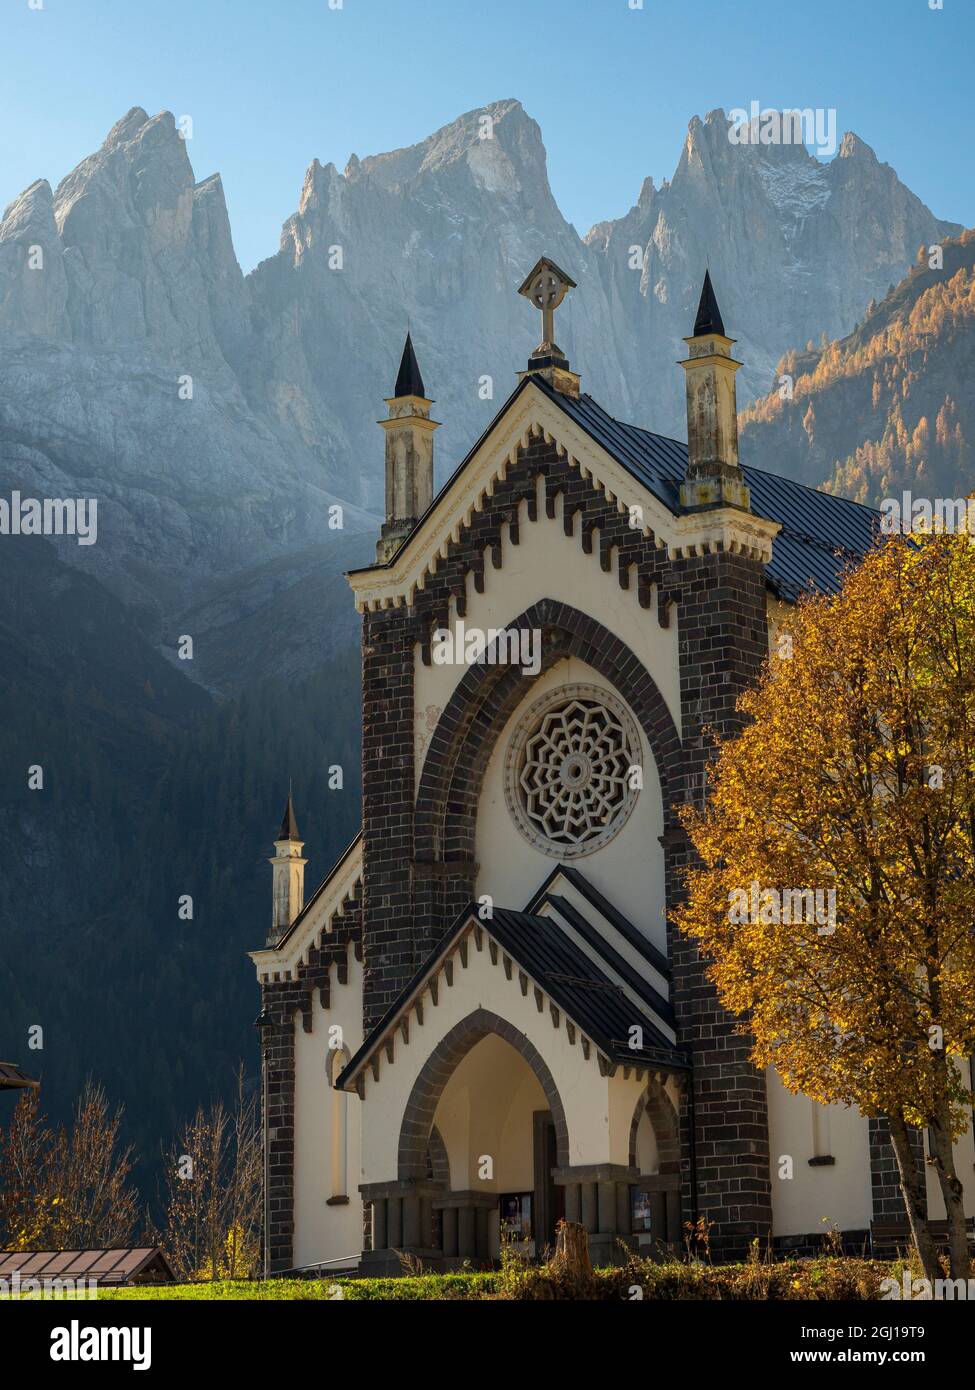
(829, 1278)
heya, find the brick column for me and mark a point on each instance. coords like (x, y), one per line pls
(889, 1226)
(723, 641)
(391, 952)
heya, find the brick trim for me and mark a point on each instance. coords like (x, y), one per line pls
(417, 1123)
(468, 729)
(663, 1117)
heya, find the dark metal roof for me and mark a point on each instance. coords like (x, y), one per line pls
(12, 1078)
(409, 382)
(569, 976)
(577, 984)
(820, 533)
(708, 314)
(107, 1266)
(606, 909)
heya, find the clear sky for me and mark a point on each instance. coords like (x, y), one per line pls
(271, 84)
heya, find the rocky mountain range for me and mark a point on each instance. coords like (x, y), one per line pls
(217, 416)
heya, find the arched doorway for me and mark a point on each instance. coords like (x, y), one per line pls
(490, 1099)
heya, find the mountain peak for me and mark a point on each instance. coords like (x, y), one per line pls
(852, 147)
(130, 124)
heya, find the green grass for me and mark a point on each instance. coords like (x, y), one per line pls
(413, 1289)
(828, 1279)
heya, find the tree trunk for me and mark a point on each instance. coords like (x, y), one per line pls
(912, 1188)
(572, 1251)
(951, 1189)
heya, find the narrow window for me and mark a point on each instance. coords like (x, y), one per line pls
(339, 1058)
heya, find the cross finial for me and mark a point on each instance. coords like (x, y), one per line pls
(546, 287)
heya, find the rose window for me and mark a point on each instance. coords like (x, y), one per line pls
(570, 770)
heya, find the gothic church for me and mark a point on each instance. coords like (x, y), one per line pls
(482, 1019)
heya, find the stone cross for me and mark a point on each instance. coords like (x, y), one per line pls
(546, 287)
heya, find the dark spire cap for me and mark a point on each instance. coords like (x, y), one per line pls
(409, 382)
(289, 826)
(708, 314)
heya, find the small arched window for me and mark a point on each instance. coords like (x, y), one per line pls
(338, 1059)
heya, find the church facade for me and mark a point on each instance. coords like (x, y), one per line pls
(482, 1019)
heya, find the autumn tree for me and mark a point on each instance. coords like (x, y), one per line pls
(213, 1178)
(855, 775)
(66, 1188)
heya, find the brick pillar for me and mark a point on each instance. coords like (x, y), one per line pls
(723, 641)
(391, 952)
(278, 1047)
(887, 1201)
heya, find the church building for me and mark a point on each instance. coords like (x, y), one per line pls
(482, 1020)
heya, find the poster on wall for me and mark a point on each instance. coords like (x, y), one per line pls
(516, 1215)
(640, 1210)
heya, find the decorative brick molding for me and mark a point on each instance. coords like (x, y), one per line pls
(470, 725)
(417, 878)
(417, 1124)
(666, 1128)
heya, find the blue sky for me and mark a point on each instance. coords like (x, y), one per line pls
(271, 84)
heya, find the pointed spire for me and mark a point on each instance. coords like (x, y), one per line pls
(708, 314)
(289, 826)
(409, 382)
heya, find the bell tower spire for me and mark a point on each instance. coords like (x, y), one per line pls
(714, 477)
(288, 886)
(409, 455)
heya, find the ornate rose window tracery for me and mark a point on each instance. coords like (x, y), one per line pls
(569, 781)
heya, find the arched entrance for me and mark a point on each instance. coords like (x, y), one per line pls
(490, 1099)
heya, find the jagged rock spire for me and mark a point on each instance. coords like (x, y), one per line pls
(708, 314)
(289, 826)
(409, 382)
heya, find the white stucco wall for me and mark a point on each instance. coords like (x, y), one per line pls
(836, 1194)
(324, 1232)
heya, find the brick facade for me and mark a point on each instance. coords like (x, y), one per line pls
(419, 859)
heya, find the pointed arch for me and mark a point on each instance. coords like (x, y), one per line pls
(417, 1123)
(471, 724)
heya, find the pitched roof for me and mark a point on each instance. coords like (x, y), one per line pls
(708, 314)
(819, 534)
(107, 1266)
(409, 382)
(12, 1078)
(594, 986)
